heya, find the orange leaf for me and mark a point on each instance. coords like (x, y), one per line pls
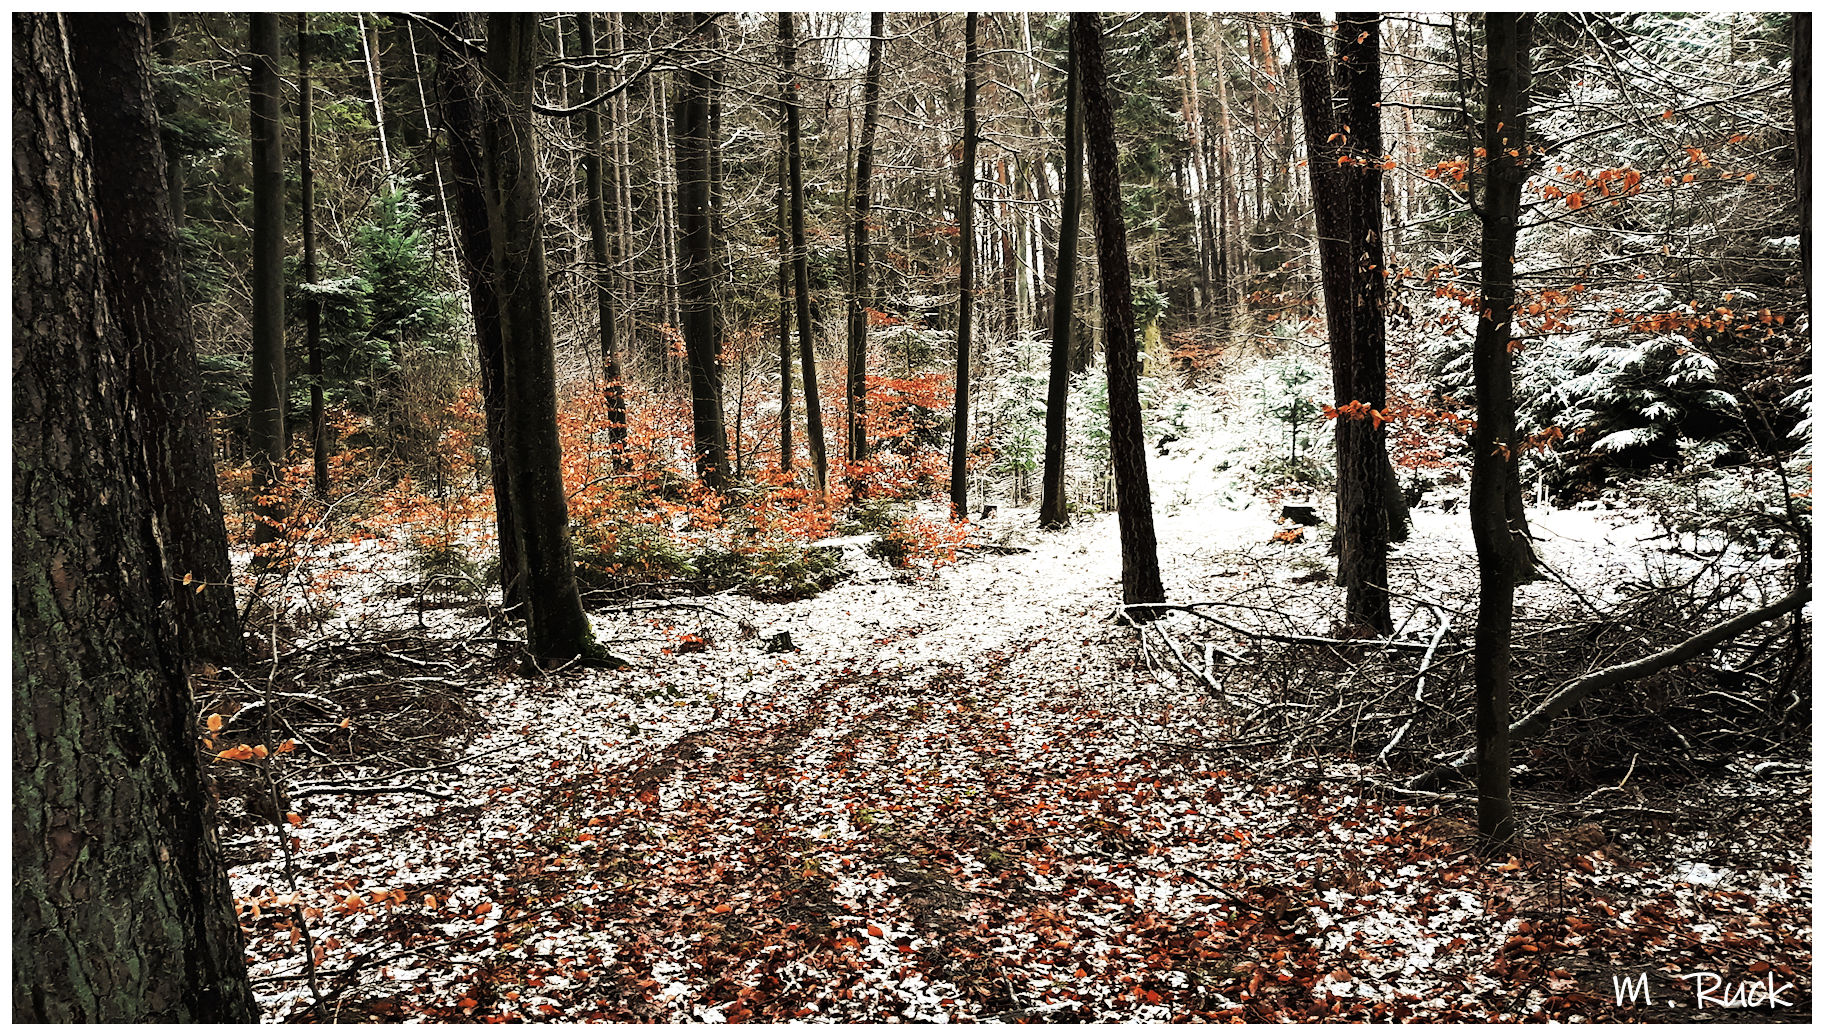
(296, 821)
(215, 723)
(875, 931)
(724, 908)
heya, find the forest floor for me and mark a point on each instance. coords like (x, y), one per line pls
(968, 796)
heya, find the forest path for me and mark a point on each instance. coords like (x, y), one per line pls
(964, 798)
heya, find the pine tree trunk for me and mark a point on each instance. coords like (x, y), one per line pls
(266, 397)
(807, 355)
(859, 299)
(965, 243)
(121, 907)
(112, 58)
(1140, 580)
(1054, 508)
(1502, 555)
(556, 627)
(460, 112)
(601, 246)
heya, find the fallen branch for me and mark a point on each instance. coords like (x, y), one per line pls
(369, 789)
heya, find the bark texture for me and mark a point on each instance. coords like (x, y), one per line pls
(112, 56)
(121, 906)
(1140, 580)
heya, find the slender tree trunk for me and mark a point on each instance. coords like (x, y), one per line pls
(1140, 580)
(1229, 161)
(111, 55)
(266, 404)
(121, 908)
(1209, 263)
(1801, 121)
(601, 247)
(1359, 62)
(1502, 554)
(696, 281)
(430, 135)
(965, 243)
(370, 62)
(621, 172)
(807, 355)
(785, 310)
(307, 220)
(1054, 508)
(458, 81)
(556, 627)
(859, 298)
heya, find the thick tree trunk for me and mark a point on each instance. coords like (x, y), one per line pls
(112, 57)
(556, 627)
(1502, 554)
(859, 298)
(307, 219)
(1054, 509)
(164, 36)
(457, 81)
(965, 243)
(1140, 581)
(266, 398)
(801, 266)
(121, 905)
(601, 246)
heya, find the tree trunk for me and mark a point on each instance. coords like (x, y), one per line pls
(696, 278)
(785, 309)
(121, 905)
(965, 243)
(112, 58)
(1359, 63)
(1054, 508)
(307, 206)
(458, 79)
(1501, 552)
(556, 627)
(859, 299)
(266, 399)
(807, 355)
(370, 62)
(1801, 122)
(1140, 581)
(601, 246)
(1344, 168)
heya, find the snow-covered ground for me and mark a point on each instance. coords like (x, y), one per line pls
(965, 797)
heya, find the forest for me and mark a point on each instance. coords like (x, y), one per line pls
(871, 517)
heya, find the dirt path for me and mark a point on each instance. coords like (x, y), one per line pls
(964, 798)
